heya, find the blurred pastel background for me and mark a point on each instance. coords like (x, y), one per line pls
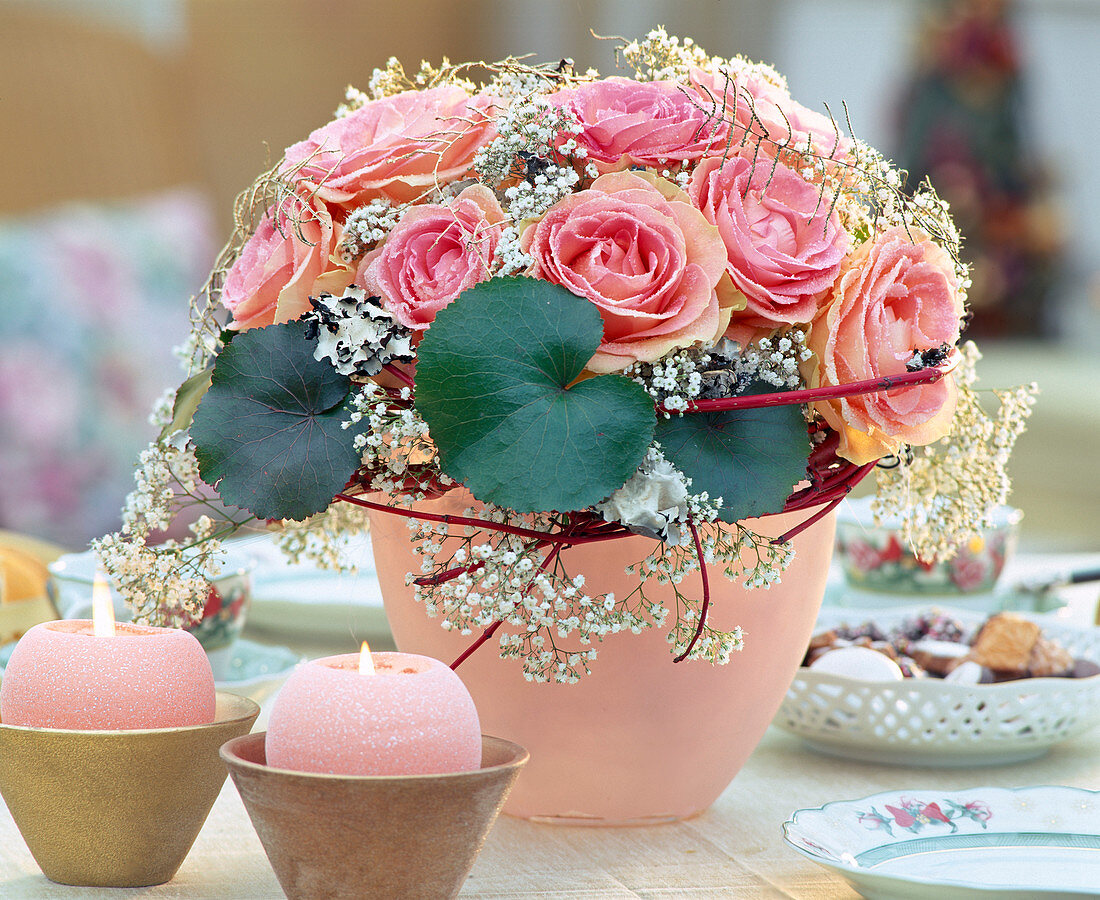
(130, 125)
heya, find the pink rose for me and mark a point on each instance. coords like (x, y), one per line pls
(645, 123)
(397, 147)
(433, 254)
(635, 246)
(895, 295)
(282, 264)
(764, 108)
(784, 247)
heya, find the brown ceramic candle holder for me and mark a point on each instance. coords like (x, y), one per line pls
(341, 836)
(116, 808)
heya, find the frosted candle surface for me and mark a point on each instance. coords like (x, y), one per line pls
(414, 716)
(61, 675)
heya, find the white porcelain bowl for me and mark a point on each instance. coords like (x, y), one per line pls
(932, 722)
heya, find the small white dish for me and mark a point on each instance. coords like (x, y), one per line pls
(932, 722)
(256, 670)
(1009, 844)
(314, 604)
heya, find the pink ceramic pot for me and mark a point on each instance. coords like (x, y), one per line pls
(641, 739)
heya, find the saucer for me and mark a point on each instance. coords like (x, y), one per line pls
(986, 842)
(256, 670)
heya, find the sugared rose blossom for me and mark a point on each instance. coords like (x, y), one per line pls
(760, 105)
(635, 246)
(646, 123)
(288, 258)
(896, 295)
(784, 248)
(432, 255)
(395, 148)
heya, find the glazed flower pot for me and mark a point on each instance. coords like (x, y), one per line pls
(642, 739)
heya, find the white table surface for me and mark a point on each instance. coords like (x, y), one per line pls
(735, 849)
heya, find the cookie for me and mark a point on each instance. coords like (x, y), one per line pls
(1004, 645)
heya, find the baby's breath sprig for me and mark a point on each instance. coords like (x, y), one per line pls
(366, 227)
(660, 56)
(674, 380)
(753, 559)
(398, 458)
(324, 539)
(529, 159)
(775, 360)
(482, 579)
(166, 486)
(394, 80)
(946, 492)
(721, 371)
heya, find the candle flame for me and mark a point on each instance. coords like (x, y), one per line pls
(103, 610)
(366, 661)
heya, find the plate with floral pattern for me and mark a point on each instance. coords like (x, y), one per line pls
(1011, 844)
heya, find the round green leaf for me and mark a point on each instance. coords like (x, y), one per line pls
(494, 382)
(268, 431)
(751, 458)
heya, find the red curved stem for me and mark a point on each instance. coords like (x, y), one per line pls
(831, 501)
(400, 375)
(433, 580)
(485, 635)
(809, 520)
(491, 630)
(831, 392)
(548, 537)
(706, 594)
(842, 480)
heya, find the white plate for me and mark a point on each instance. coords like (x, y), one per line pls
(1012, 844)
(931, 722)
(313, 604)
(256, 670)
(1004, 598)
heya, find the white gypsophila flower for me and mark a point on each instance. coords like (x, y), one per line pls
(355, 333)
(365, 227)
(181, 575)
(160, 416)
(654, 502)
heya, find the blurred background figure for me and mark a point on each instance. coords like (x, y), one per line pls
(962, 125)
(131, 125)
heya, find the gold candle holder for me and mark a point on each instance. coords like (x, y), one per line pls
(372, 836)
(116, 808)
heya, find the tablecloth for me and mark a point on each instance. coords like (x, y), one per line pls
(735, 849)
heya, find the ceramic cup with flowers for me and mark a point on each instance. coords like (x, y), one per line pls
(228, 599)
(875, 555)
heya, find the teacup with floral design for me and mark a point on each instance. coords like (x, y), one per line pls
(875, 556)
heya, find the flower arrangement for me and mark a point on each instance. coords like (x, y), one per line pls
(661, 304)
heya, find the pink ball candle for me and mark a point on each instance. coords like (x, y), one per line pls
(412, 716)
(62, 675)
